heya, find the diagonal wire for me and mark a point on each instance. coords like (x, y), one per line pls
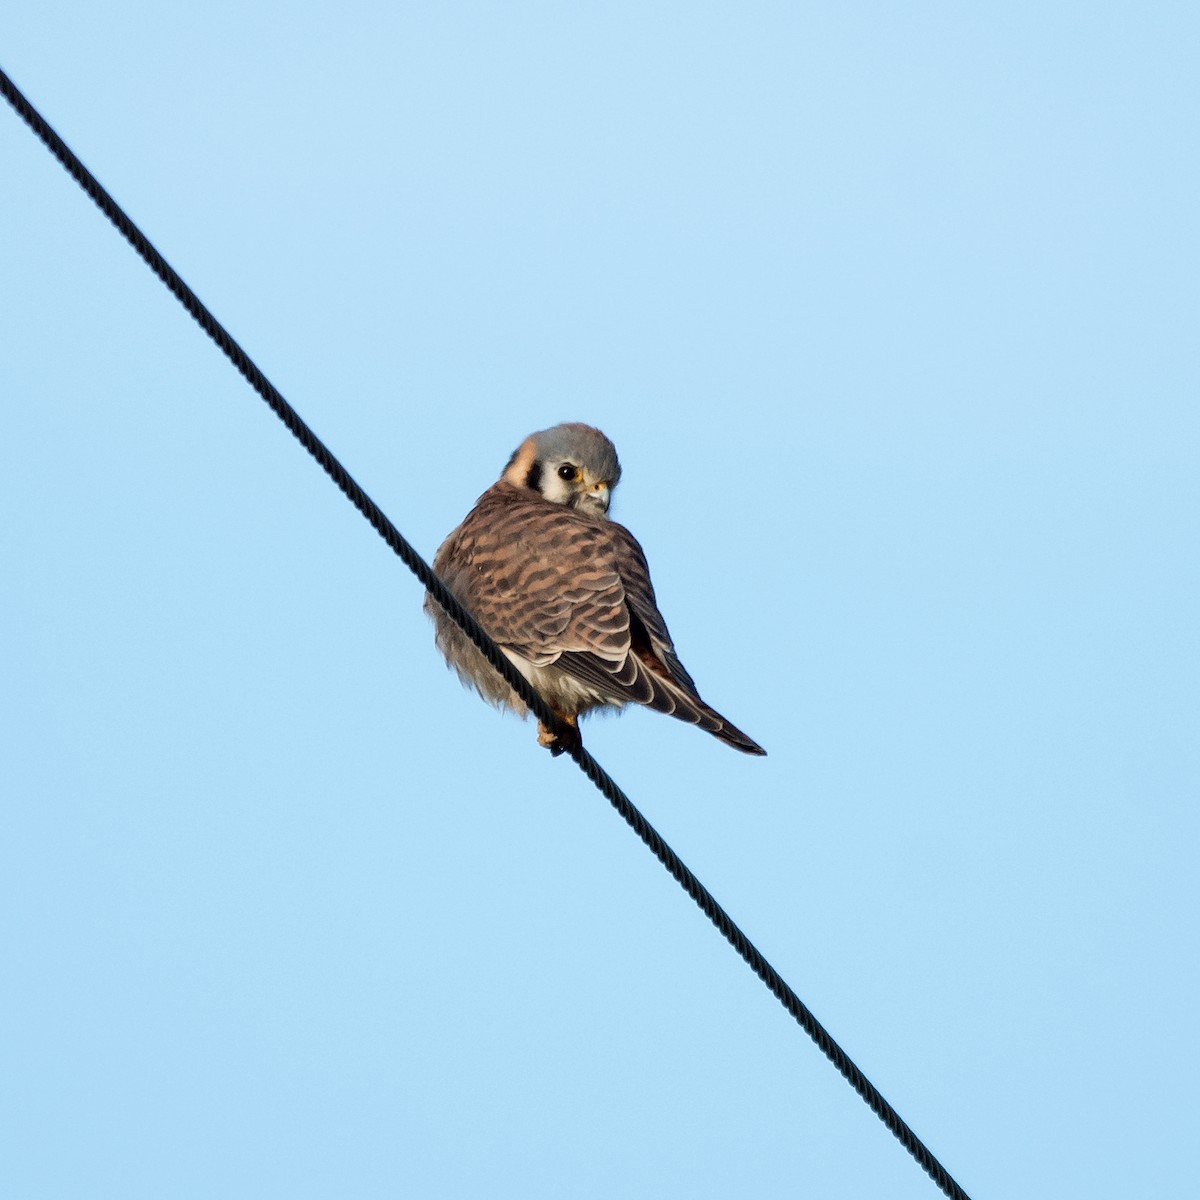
(462, 617)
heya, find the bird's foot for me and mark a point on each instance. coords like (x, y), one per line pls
(559, 743)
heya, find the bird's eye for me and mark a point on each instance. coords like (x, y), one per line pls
(569, 473)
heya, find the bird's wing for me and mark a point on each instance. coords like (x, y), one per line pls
(541, 579)
(651, 673)
(639, 595)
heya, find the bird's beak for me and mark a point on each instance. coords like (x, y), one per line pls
(599, 494)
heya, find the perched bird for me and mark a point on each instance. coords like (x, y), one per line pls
(564, 592)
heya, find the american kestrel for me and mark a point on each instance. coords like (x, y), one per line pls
(564, 592)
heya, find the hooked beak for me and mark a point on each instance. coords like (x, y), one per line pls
(596, 495)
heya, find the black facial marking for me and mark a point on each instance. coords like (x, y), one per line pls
(534, 478)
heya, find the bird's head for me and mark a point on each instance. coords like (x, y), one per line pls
(570, 464)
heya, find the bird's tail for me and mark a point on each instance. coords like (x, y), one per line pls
(685, 706)
(731, 735)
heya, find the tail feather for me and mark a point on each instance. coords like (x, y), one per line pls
(643, 680)
(675, 702)
(731, 735)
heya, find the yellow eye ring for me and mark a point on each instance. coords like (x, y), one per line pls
(569, 473)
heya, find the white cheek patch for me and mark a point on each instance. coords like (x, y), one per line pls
(555, 489)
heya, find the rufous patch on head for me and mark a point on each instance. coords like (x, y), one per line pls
(519, 466)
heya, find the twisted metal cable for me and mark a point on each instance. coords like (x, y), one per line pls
(463, 618)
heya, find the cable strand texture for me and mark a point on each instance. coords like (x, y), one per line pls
(462, 617)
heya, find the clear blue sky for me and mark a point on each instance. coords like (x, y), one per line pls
(892, 313)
